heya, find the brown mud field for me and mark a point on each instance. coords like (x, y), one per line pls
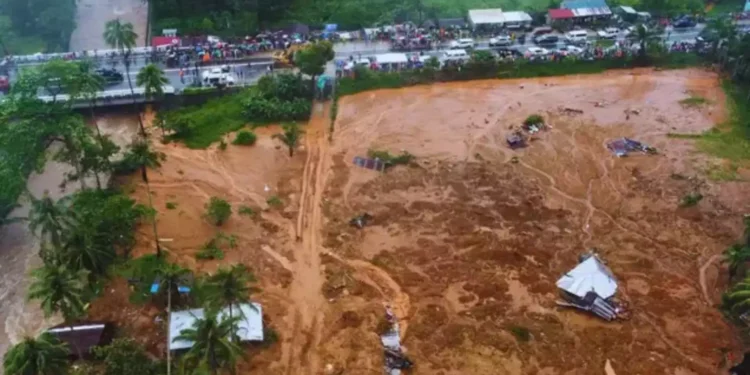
(468, 241)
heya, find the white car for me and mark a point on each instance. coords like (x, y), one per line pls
(537, 51)
(462, 43)
(570, 50)
(608, 33)
(500, 41)
(216, 77)
(577, 36)
(633, 29)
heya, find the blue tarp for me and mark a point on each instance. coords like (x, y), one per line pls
(331, 27)
(747, 6)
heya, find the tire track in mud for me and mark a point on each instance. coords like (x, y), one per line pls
(299, 354)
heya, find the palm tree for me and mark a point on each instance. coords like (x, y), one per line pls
(141, 155)
(49, 217)
(290, 137)
(121, 36)
(87, 83)
(231, 287)
(45, 355)
(739, 296)
(152, 78)
(60, 289)
(171, 276)
(82, 252)
(735, 256)
(214, 343)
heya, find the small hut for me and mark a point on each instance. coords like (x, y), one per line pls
(83, 337)
(590, 286)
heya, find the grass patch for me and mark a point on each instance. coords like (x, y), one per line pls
(684, 136)
(534, 120)
(391, 160)
(694, 101)
(690, 200)
(207, 123)
(522, 334)
(171, 205)
(723, 172)
(274, 201)
(209, 253)
(246, 211)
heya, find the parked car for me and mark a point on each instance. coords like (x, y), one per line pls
(683, 22)
(570, 50)
(462, 43)
(546, 39)
(537, 51)
(110, 76)
(577, 36)
(608, 33)
(215, 77)
(500, 41)
(542, 30)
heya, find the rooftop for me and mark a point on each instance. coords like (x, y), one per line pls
(486, 16)
(591, 275)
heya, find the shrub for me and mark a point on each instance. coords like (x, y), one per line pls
(171, 205)
(245, 210)
(210, 251)
(522, 334)
(691, 199)
(244, 137)
(275, 201)
(125, 356)
(222, 145)
(285, 87)
(533, 120)
(218, 211)
(694, 101)
(390, 160)
(270, 336)
(261, 109)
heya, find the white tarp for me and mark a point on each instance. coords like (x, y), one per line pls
(250, 326)
(486, 16)
(391, 58)
(589, 276)
(516, 17)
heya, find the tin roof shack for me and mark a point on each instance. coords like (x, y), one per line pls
(81, 338)
(590, 286)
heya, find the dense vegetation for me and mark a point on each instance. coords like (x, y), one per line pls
(34, 26)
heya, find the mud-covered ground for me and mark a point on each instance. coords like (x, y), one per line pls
(467, 242)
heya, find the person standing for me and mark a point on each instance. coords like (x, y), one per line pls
(182, 76)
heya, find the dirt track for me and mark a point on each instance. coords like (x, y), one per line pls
(468, 242)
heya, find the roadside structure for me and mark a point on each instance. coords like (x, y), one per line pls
(486, 19)
(579, 11)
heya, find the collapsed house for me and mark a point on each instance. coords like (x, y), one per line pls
(623, 146)
(590, 286)
(395, 359)
(81, 338)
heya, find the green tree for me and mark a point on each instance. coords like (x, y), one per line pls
(121, 36)
(736, 256)
(231, 287)
(218, 211)
(96, 158)
(140, 156)
(152, 79)
(312, 59)
(739, 296)
(290, 137)
(60, 290)
(49, 218)
(44, 355)
(124, 356)
(214, 343)
(86, 85)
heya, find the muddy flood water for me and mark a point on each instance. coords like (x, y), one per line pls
(466, 243)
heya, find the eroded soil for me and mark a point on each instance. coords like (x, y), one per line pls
(467, 242)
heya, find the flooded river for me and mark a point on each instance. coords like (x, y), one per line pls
(18, 248)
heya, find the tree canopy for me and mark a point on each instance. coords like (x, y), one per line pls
(44, 355)
(28, 27)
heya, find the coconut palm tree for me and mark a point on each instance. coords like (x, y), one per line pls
(739, 296)
(153, 79)
(231, 286)
(50, 218)
(60, 289)
(290, 137)
(141, 156)
(171, 276)
(82, 252)
(44, 355)
(214, 343)
(735, 256)
(87, 84)
(121, 36)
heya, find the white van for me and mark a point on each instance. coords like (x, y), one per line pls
(454, 55)
(577, 36)
(462, 43)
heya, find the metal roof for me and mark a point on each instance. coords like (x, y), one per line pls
(250, 327)
(575, 4)
(627, 9)
(486, 16)
(82, 337)
(589, 276)
(559, 14)
(516, 17)
(391, 58)
(747, 6)
(586, 12)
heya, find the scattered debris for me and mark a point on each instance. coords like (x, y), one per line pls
(395, 359)
(571, 111)
(622, 146)
(516, 140)
(361, 220)
(608, 370)
(374, 164)
(591, 286)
